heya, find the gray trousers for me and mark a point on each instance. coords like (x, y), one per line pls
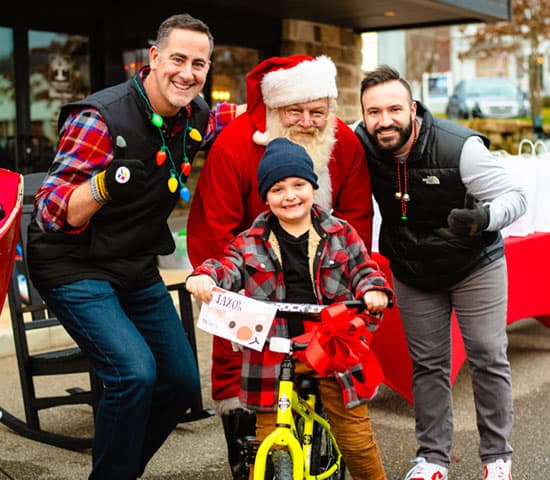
(480, 302)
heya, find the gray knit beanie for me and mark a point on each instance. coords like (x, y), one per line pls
(281, 159)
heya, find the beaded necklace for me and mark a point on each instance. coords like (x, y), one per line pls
(176, 177)
(402, 193)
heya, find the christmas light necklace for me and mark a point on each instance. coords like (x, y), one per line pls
(176, 178)
(402, 193)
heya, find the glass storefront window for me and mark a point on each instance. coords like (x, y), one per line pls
(230, 66)
(134, 60)
(7, 100)
(59, 66)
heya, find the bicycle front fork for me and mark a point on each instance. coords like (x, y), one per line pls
(283, 437)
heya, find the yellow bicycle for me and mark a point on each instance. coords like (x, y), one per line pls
(302, 445)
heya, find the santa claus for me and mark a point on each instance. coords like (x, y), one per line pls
(293, 97)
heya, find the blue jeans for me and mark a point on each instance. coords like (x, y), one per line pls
(138, 347)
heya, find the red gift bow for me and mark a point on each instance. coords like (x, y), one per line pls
(340, 342)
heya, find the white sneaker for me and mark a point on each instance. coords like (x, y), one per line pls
(424, 470)
(498, 470)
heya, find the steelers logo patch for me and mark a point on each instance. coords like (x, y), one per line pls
(122, 175)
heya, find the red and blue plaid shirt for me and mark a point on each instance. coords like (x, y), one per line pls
(85, 149)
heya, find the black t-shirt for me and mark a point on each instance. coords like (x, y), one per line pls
(299, 287)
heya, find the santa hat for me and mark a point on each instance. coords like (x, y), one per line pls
(280, 81)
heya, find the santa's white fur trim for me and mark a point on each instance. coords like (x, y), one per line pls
(307, 81)
(260, 138)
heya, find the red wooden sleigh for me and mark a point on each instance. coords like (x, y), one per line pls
(29, 314)
(11, 204)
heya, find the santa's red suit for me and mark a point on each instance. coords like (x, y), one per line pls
(226, 199)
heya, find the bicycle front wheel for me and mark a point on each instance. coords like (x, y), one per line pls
(282, 465)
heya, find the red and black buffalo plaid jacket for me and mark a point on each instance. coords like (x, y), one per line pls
(341, 269)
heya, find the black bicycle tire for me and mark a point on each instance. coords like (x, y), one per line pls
(319, 443)
(282, 465)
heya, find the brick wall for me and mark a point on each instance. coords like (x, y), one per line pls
(340, 44)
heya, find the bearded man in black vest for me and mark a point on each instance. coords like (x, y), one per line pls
(443, 198)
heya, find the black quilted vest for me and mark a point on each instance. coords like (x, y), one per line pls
(418, 256)
(122, 240)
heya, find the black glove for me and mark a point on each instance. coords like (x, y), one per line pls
(123, 180)
(468, 221)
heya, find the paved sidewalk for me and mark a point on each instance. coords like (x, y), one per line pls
(196, 451)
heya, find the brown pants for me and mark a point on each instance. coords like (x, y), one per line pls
(351, 427)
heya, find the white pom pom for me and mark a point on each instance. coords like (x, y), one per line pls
(260, 138)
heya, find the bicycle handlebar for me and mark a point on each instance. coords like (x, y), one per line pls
(309, 312)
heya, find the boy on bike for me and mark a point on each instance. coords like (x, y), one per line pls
(298, 252)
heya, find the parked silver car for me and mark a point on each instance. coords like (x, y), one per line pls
(487, 97)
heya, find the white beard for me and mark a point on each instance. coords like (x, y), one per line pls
(319, 149)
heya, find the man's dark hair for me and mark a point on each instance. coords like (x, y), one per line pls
(183, 21)
(383, 74)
